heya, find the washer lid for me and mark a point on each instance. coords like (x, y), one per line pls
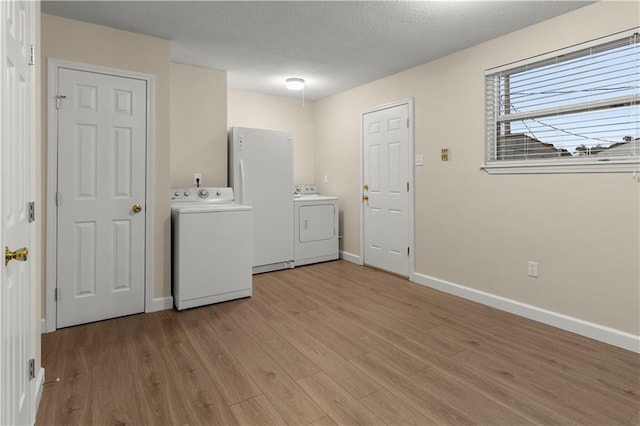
(209, 208)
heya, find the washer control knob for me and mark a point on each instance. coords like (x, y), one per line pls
(218, 193)
(186, 193)
(177, 193)
(203, 193)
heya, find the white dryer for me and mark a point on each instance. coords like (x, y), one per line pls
(212, 247)
(316, 233)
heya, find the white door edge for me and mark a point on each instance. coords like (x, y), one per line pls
(31, 242)
(409, 102)
(53, 65)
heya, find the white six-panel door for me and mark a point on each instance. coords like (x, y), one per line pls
(17, 289)
(386, 189)
(101, 184)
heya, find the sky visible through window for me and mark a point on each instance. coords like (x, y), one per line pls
(582, 103)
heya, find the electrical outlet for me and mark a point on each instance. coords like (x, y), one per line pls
(326, 179)
(197, 179)
(533, 269)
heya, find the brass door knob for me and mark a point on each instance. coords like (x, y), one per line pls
(366, 187)
(20, 254)
(137, 208)
(365, 198)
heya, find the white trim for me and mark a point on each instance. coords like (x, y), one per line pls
(350, 257)
(43, 325)
(563, 51)
(575, 325)
(38, 389)
(606, 165)
(161, 304)
(33, 240)
(150, 192)
(411, 172)
(52, 172)
(52, 212)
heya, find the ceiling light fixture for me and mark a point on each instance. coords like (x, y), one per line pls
(294, 83)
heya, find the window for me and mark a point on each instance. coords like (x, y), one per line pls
(572, 110)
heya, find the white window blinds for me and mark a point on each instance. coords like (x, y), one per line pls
(578, 104)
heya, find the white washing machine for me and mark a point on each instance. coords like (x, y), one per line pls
(212, 247)
(316, 230)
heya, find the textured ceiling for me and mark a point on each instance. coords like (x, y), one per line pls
(333, 45)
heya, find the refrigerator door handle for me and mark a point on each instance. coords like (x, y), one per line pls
(241, 186)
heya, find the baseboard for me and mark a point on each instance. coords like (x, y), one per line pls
(353, 258)
(161, 304)
(584, 328)
(158, 304)
(39, 387)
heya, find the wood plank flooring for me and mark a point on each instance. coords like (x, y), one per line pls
(334, 343)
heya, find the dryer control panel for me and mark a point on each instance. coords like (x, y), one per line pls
(305, 189)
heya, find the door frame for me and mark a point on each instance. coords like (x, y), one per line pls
(410, 150)
(53, 66)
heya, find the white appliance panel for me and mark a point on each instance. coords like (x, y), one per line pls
(317, 222)
(316, 229)
(211, 258)
(261, 174)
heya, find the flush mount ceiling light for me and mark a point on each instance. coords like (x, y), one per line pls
(294, 83)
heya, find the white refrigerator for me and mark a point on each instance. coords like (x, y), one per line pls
(261, 175)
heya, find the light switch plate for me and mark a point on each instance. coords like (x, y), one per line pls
(419, 160)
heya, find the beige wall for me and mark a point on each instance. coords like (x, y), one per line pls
(92, 44)
(479, 230)
(248, 109)
(198, 125)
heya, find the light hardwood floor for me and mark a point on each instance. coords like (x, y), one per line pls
(335, 343)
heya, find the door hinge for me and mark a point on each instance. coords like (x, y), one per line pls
(32, 57)
(408, 250)
(407, 186)
(58, 199)
(32, 211)
(59, 98)
(55, 294)
(32, 369)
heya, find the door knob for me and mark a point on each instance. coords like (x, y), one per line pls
(20, 254)
(365, 198)
(366, 187)
(137, 208)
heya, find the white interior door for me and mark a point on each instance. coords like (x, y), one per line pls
(100, 196)
(386, 189)
(17, 292)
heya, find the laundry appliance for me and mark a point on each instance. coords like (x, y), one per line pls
(212, 247)
(316, 228)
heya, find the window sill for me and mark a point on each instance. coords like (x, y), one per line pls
(571, 166)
